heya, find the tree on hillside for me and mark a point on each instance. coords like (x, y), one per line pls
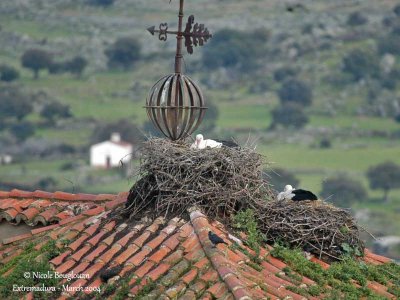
(284, 73)
(343, 191)
(389, 44)
(384, 176)
(356, 19)
(123, 53)
(396, 10)
(77, 65)
(296, 91)
(55, 110)
(279, 177)
(103, 3)
(8, 73)
(36, 60)
(235, 49)
(361, 64)
(14, 103)
(289, 115)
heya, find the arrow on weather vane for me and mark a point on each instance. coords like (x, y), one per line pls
(195, 35)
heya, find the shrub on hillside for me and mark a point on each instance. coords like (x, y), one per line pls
(289, 115)
(361, 64)
(36, 60)
(343, 191)
(296, 91)
(123, 53)
(8, 73)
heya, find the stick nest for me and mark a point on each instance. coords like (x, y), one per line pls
(173, 178)
(315, 226)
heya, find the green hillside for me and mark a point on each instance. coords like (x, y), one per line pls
(355, 112)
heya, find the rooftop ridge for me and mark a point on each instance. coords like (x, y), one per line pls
(58, 195)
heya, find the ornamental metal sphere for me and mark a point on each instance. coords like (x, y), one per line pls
(176, 106)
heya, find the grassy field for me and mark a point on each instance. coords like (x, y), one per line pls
(103, 95)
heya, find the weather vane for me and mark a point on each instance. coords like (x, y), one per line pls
(175, 103)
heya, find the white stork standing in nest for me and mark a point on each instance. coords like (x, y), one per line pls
(201, 143)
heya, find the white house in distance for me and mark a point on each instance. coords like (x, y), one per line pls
(108, 154)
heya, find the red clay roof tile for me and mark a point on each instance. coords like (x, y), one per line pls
(144, 269)
(218, 290)
(97, 238)
(93, 211)
(43, 229)
(102, 197)
(160, 270)
(109, 254)
(190, 276)
(59, 259)
(71, 219)
(159, 255)
(124, 256)
(16, 238)
(64, 196)
(66, 266)
(42, 194)
(4, 194)
(79, 254)
(95, 253)
(15, 193)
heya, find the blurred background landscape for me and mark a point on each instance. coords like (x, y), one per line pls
(314, 84)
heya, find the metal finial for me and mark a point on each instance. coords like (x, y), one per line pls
(175, 104)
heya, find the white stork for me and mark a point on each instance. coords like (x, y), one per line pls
(289, 193)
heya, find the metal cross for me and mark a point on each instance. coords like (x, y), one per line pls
(196, 35)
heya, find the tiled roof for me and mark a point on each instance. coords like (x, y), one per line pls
(163, 259)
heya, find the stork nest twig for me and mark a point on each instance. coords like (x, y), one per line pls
(173, 178)
(316, 226)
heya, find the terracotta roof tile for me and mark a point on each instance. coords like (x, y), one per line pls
(95, 253)
(4, 194)
(175, 290)
(15, 193)
(79, 254)
(123, 257)
(66, 266)
(43, 229)
(218, 290)
(59, 259)
(42, 194)
(16, 238)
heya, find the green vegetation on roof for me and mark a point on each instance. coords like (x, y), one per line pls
(338, 280)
